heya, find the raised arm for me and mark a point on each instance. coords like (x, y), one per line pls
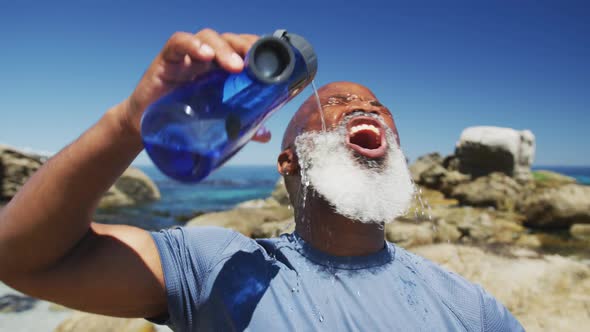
(49, 247)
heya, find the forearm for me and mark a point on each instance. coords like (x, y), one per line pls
(53, 210)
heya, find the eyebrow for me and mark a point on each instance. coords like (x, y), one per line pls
(345, 99)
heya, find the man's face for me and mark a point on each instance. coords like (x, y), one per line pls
(356, 164)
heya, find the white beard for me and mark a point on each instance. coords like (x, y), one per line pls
(358, 188)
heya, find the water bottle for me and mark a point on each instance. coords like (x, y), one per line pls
(196, 128)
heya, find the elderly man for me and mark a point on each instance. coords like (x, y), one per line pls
(335, 272)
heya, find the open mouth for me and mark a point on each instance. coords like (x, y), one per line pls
(366, 136)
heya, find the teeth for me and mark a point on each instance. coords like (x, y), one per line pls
(360, 127)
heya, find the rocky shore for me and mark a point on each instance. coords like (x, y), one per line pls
(480, 212)
(16, 166)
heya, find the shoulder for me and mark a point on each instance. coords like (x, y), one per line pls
(469, 302)
(189, 256)
(205, 241)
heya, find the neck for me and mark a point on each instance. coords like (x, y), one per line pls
(335, 234)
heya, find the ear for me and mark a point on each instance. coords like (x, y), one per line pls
(287, 163)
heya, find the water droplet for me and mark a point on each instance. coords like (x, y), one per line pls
(321, 318)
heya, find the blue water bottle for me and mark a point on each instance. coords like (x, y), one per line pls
(196, 128)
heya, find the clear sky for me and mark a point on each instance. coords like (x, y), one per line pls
(440, 66)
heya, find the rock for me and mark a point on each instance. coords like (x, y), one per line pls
(256, 218)
(496, 190)
(441, 219)
(15, 169)
(427, 198)
(258, 203)
(484, 150)
(550, 293)
(580, 231)
(549, 179)
(557, 207)
(424, 163)
(429, 171)
(243, 220)
(273, 228)
(58, 308)
(86, 322)
(530, 241)
(451, 163)
(410, 234)
(133, 187)
(450, 180)
(478, 225)
(445, 232)
(280, 193)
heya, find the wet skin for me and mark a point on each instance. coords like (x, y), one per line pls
(317, 223)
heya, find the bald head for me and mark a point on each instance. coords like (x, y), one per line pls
(337, 100)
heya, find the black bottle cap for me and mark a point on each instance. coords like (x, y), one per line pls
(304, 48)
(271, 60)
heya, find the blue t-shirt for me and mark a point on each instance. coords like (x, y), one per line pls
(219, 280)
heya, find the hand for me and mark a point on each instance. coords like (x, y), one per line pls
(184, 57)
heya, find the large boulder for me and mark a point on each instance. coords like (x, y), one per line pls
(557, 207)
(430, 171)
(496, 190)
(483, 150)
(425, 163)
(546, 293)
(133, 187)
(16, 167)
(580, 231)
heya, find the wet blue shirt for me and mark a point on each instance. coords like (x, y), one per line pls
(220, 280)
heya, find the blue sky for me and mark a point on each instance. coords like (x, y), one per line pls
(440, 66)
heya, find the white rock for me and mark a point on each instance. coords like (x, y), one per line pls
(486, 142)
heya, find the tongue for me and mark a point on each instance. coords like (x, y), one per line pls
(366, 139)
(367, 143)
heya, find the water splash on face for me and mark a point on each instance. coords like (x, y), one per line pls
(363, 189)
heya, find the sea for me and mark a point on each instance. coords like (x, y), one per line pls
(179, 202)
(223, 190)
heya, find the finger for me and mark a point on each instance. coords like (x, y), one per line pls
(262, 135)
(182, 44)
(251, 38)
(225, 55)
(240, 43)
